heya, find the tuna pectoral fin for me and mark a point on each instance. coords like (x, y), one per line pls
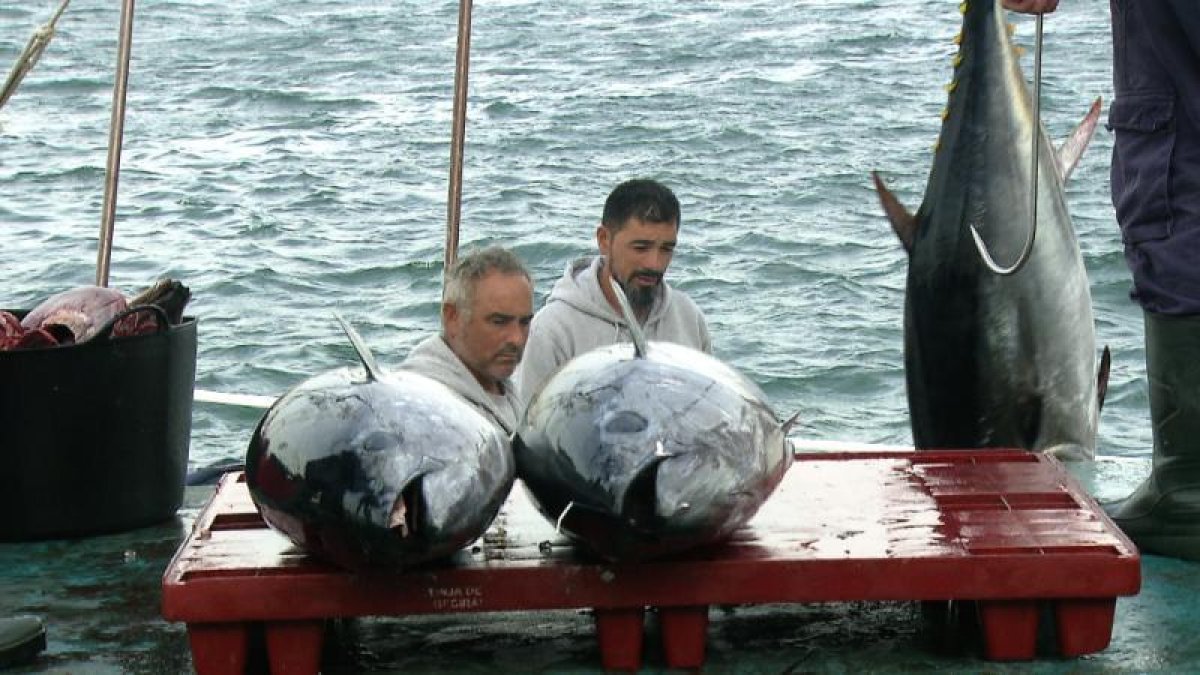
(1070, 452)
(1102, 378)
(587, 522)
(639, 502)
(1072, 148)
(902, 221)
(409, 509)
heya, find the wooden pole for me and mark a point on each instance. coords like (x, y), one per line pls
(115, 136)
(458, 133)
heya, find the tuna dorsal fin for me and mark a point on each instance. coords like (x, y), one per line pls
(1102, 377)
(364, 354)
(635, 328)
(902, 221)
(1073, 146)
(791, 422)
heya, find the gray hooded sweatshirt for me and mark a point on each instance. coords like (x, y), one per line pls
(434, 359)
(577, 318)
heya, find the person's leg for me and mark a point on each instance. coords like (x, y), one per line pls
(1163, 515)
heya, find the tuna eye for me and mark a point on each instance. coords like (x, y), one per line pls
(380, 441)
(625, 422)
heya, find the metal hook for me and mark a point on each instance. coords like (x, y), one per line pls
(988, 261)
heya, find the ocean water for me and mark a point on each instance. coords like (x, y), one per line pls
(287, 160)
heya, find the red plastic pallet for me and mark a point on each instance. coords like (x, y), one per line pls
(1005, 529)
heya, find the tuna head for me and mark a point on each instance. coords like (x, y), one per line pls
(636, 457)
(377, 470)
(81, 311)
(997, 359)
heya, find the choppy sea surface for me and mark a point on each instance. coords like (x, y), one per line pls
(287, 160)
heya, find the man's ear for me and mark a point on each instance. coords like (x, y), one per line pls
(449, 316)
(603, 240)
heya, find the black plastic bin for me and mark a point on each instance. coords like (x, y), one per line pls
(94, 437)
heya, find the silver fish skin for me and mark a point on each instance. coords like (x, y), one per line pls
(637, 457)
(393, 470)
(996, 360)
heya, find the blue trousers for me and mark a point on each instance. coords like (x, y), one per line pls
(1156, 154)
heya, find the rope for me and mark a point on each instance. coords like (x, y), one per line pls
(29, 57)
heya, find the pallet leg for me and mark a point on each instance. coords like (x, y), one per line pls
(950, 627)
(1009, 629)
(1084, 625)
(684, 633)
(219, 648)
(294, 647)
(620, 634)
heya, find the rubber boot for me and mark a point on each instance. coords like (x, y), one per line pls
(1163, 515)
(21, 639)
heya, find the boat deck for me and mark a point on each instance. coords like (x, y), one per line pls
(1008, 535)
(101, 598)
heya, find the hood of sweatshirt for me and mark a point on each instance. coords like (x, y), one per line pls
(580, 288)
(434, 359)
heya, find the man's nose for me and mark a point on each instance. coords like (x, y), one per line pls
(658, 260)
(517, 334)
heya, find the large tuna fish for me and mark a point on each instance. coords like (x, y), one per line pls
(377, 469)
(639, 450)
(997, 358)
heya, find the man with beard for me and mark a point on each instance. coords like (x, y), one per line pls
(636, 238)
(487, 307)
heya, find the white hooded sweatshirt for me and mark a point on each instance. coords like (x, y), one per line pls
(577, 318)
(434, 359)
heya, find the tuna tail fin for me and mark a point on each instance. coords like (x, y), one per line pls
(1102, 377)
(903, 222)
(1072, 147)
(374, 373)
(635, 328)
(168, 294)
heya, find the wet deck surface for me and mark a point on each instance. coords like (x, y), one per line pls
(101, 599)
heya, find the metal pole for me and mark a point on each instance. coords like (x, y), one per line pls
(1037, 127)
(116, 133)
(458, 132)
(980, 246)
